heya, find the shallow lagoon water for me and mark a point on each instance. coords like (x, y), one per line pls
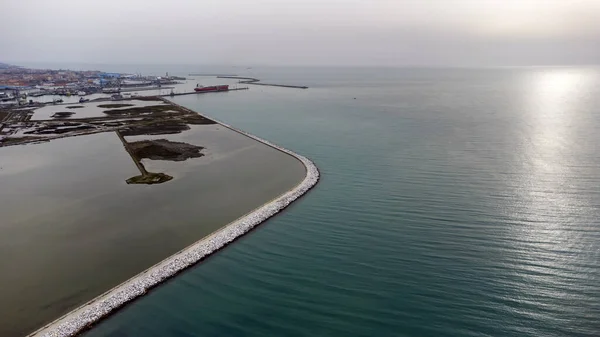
(72, 228)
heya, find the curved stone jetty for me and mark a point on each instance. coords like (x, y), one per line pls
(93, 311)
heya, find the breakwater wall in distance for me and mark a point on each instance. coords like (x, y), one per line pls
(93, 311)
(255, 81)
(215, 75)
(201, 92)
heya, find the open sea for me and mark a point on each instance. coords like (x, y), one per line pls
(453, 202)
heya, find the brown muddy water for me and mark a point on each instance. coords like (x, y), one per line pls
(71, 228)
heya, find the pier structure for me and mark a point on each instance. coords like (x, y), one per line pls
(255, 81)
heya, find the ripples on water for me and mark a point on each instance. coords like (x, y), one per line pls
(453, 203)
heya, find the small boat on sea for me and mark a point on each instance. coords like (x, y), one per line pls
(200, 88)
(83, 100)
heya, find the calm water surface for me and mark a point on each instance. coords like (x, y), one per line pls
(453, 203)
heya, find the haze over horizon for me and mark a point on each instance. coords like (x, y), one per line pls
(295, 32)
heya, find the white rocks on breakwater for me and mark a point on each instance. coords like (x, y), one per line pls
(91, 312)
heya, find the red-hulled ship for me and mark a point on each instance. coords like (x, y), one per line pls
(211, 88)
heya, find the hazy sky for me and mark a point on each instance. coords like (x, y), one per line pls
(302, 32)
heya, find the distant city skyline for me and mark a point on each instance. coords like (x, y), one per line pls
(311, 33)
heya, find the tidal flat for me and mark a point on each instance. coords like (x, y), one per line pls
(72, 227)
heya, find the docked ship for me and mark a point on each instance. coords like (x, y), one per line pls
(200, 88)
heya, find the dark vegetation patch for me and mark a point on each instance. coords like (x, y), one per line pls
(196, 119)
(60, 128)
(114, 105)
(156, 128)
(144, 110)
(148, 98)
(62, 114)
(18, 140)
(162, 114)
(163, 149)
(150, 178)
(75, 107)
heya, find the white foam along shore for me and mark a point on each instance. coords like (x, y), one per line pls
(93, 311)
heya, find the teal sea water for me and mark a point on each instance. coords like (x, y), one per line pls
(453, 202)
